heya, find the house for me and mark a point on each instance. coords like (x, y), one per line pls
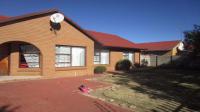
(115, 47)
(158, 53)
(29, 45)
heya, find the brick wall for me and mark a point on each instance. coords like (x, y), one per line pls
(115, 56)
(37, 32)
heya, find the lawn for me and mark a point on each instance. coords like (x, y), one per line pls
(153, 90)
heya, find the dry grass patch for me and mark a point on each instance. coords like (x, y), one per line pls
(151, 91)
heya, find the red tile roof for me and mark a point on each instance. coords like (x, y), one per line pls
(14, 19)
(110, 40)
(3, 17)
(159, 46)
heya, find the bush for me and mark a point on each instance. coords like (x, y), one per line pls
(184, 62)
(99, 69)
(144, 62)
(136, 65)
(123, 65)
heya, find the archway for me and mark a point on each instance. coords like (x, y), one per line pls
(20, 58)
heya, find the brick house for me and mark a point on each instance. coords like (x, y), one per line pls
(162, 51)
(29, 46)
(117, 48)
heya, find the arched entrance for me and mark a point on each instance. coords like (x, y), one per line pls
(20, 58)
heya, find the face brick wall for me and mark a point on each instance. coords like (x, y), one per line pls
(137, 57)
(4, 59)
(37, 32)
(115, 56)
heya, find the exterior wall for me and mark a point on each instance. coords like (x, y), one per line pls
(157, 58)
(158, 53)
(115, 56)
(4, 57)
(14, 63)
(175, 50)
(137, 57)
(37, 32)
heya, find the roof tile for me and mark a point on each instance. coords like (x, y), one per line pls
(3, 17)
(159, 46)
(110, 40)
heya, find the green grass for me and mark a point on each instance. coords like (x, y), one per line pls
(153, 90)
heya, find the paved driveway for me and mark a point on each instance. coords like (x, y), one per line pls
(51, 95)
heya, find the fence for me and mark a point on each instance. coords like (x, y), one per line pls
(153, 60)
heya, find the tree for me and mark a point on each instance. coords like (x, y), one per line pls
(192, 41)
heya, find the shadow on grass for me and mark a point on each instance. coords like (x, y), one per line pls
(179, 86)
(8, 108)
(104, 107)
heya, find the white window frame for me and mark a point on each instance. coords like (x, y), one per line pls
(78, 53)
(129, 56)
(72, 62)
(30, 54)
(100, 54)
(62, 55)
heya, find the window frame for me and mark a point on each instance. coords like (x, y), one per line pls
(100, 51)
(125, 55)
(65, 54)
(21, 54)
(128, 54)
(70, 63)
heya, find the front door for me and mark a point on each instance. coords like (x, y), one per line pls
(4, 59)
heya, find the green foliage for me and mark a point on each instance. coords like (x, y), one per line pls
(99, 69)
(192, 40)
(144, 62)
(137, 65)
(123, 65)
(184, 63)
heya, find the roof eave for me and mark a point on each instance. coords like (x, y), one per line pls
(156, 50)
(123, 48)
(26, 16)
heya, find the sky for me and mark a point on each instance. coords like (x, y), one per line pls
(135, 20)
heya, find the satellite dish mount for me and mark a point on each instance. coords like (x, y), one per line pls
(55, 20)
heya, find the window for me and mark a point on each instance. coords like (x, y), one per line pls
(63, 56)
(29, 56)
(96, 57)
(101, 57)
(67, 56)
(128, 55)
(78, 56)
(125, 55)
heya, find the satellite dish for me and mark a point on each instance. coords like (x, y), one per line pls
(57, 18)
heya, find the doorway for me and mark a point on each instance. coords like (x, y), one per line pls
(4, 59)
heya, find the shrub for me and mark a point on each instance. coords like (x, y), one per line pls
(136, 65)
(99, 69)
(184, 62)
(123, 65)
(144, 62)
